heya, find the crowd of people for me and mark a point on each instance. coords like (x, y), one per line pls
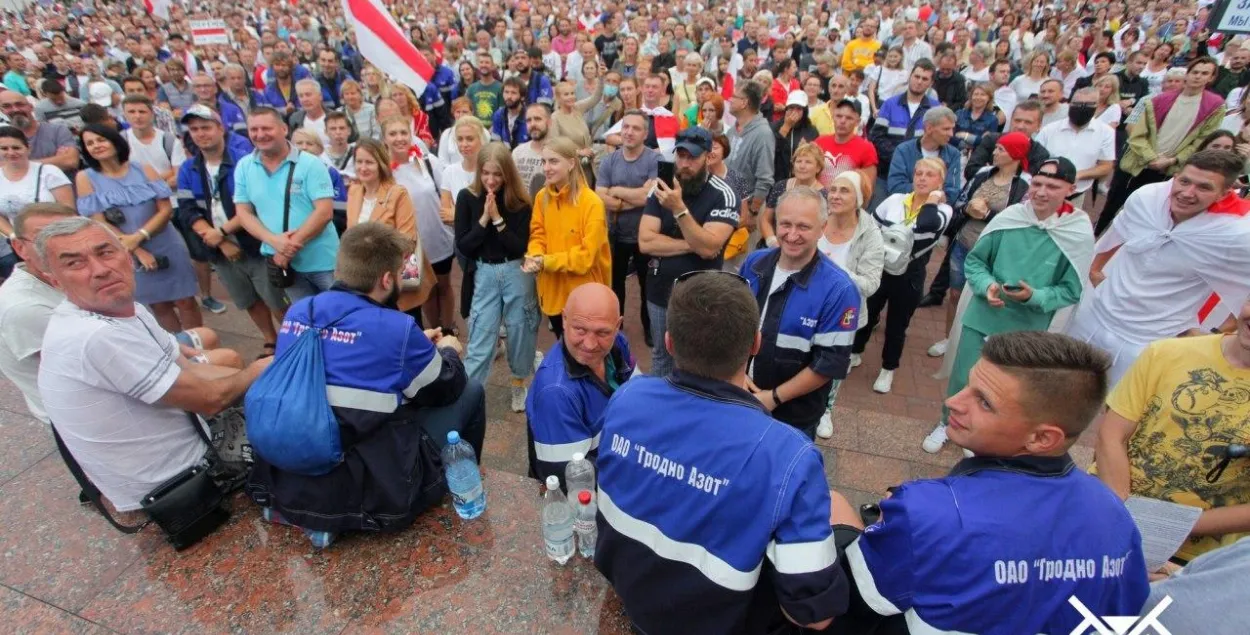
(774, 175)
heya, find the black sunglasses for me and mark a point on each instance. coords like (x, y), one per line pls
(690, 274)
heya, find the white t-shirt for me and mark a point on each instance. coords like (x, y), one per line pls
(26, 305)
(366, 208)
(836, 253)
(318, 126)
(153, 154)
(779, 278)
(437, 239)
(14, 195)
(101, 379)
(456, 178)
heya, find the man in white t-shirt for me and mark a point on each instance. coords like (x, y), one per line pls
(149, 146)
(114, 384)
(528, 156)
(27, 299)
(312, 113)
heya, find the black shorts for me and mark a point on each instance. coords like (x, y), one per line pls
(443, 267)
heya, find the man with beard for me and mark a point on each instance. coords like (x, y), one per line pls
(808, 315)
(486, 93)
(508, 124)
(684, 228)
(528, 156)
(50, 142)
(280, 93)
(538, 87)
(389, 385)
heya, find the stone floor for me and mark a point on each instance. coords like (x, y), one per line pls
(63, 569)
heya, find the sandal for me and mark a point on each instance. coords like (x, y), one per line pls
(270, 349)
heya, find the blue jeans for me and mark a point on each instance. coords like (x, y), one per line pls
(958, 255)
(502, 293)
(661, 361)
(308, 284)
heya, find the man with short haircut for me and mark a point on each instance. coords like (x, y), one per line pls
(934, 141)
(1088, 143)
(210, 214)
(538, 89)
(58, 105)
(1173, 245)
(753, 142)
(1004, 95)
(1027, 265)
(486, 93)
(693, 516)
(1026, 118)
(912, 567)
(27, 299)
(1147, 445)
(859, 52)
(164, 119)
(148, 146)
(1171, 128)
(684, 228)
(528, 156)
(1133, 87)
(312, 113)
(305, 243)
(393, 389)
(1234, 73)
(1051, 96)
(625, 179)
(901, 118)
(576, 379)
(340, 153)
(845, 149)
(209, 94)
(508, 123)
(109, 371)
(330, 77)
(950, 85)
(914, 46)
(50, 142)
(809, 310)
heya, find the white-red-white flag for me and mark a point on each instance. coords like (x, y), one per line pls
(158, 8)
(383, 43)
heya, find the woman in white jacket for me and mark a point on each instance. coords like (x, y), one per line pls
(852, 240)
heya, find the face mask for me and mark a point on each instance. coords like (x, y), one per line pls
(1080, 114)
(609, 91)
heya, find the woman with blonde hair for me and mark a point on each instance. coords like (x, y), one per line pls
(569, 118)
(492, 233)
(360, 110)
(420, 174)
(1036, 69)
(469, 135)
(806, 165)
(568, 242)
(925, 213)
(308, 141)
(1107, 110)
(375, 197)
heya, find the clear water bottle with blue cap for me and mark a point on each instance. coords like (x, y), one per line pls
(463, 477)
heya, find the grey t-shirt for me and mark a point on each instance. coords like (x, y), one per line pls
(68, 112)
(1208, 595)
(49, 138)
(616, 170)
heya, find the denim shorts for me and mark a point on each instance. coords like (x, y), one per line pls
(958, 254)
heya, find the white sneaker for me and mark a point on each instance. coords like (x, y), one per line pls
(518, 398)
(938, 349)
(885, 381)
(856, 360)
(936, 439)
(968, 453)
(825, 429)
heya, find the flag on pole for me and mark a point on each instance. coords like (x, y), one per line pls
(158, 8)
(383, 43)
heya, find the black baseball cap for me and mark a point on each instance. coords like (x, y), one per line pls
(1057, 168)
(694, 140)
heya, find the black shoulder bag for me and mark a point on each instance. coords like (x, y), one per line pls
(187, 507)
(283, 277)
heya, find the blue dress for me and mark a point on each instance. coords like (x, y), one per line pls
(136, 197)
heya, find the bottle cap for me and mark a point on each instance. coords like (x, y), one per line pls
(583, 497)
(578, 456)
(553, 482)
(453, 437)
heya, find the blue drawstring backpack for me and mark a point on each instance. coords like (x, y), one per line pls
(289, 419)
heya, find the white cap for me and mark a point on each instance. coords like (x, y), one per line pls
(797, 98)
(553, 482)
(578, 456)
(100, 94)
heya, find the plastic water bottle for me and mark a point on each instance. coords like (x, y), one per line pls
(584, 525)
(557, 522)
(463, 478)
(579, 475)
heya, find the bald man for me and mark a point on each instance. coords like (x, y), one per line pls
(577, 377)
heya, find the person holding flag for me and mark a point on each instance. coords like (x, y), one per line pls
(1024, 269)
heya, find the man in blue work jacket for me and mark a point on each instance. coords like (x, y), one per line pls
(809, 308)
(713, 516)
(1017, 539)
(572, 385)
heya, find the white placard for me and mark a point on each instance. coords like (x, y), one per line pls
(209, 32)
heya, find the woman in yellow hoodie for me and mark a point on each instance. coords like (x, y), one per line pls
(568, 232)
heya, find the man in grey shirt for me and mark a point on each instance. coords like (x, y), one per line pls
(751, 142)
(57, 105)
(624, 181)
(1207, 596)
(50, 143)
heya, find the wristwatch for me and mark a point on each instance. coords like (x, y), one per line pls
(682, 214)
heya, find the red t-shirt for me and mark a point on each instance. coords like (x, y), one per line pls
(840, 157)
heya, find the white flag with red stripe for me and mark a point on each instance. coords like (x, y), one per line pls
(383, 43)
(158, 8)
